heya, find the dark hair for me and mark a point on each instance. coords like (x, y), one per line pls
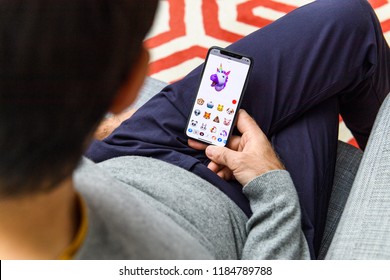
(61, 63)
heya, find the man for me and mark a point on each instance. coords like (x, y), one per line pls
(63, 65)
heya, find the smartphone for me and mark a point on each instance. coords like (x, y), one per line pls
(221, 88)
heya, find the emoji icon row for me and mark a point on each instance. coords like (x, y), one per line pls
(217, 119)
(210, 105)
(213, 129)
(206, 135)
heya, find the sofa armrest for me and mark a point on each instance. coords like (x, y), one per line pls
(364, 228)
(347, 164)
(150, 88)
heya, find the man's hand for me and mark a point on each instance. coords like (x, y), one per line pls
(246, 157)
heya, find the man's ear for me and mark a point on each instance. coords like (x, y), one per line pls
(130, 88)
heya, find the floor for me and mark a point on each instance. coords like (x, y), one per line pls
(185, 29)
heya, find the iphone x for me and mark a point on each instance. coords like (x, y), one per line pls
(222, 85)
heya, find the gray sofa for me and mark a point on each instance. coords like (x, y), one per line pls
(364, 228)
(358, 222)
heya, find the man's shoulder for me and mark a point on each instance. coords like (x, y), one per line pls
(121, 226)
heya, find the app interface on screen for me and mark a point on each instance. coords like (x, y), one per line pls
(218, 99)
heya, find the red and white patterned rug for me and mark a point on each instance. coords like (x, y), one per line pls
(184, 29)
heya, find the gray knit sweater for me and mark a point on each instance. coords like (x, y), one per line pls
(142, 208)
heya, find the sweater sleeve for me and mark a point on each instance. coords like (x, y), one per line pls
(274, 229)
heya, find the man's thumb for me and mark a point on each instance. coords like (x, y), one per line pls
(218, 154)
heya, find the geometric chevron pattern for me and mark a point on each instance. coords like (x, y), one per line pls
(184, 29)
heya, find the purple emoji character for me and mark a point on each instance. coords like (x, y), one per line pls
(219, 79)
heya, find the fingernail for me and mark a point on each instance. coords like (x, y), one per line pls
(210, 151)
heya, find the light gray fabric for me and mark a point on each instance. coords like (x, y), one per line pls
(142, 208)
(120, 226)
(150, 88)
(347, 164)
(275, 226)
(364, 228)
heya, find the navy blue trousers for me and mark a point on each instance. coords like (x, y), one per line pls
(321, 60)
